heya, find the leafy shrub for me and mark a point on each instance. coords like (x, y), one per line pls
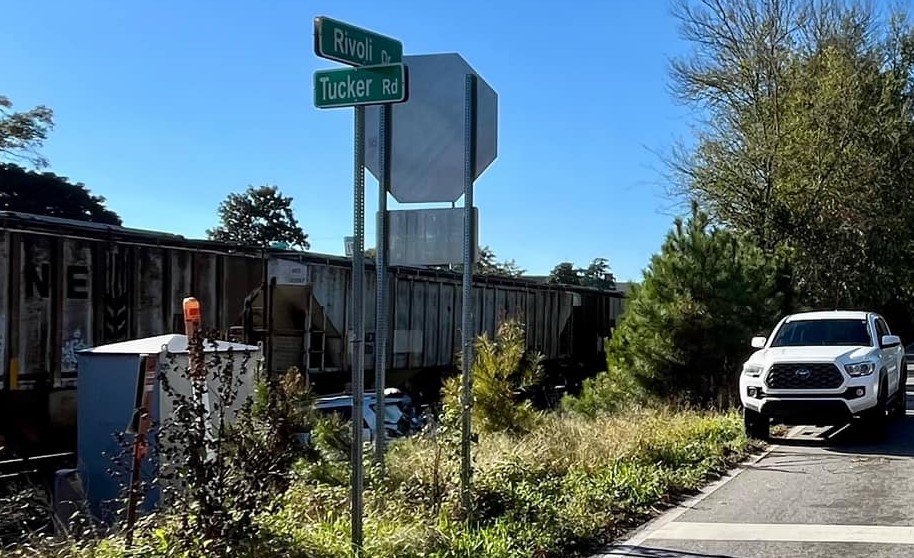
(327, 461)
(608, 392)
(285, 401)
(501, 367)
(216, 472)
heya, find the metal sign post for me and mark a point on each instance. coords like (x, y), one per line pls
(446, 136)
(469, 249)
(380, 336)
(358, 328)
(379, 77)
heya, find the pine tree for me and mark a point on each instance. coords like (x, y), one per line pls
(687, 326)
(564, 274)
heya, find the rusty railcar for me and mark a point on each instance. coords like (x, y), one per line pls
(68, 285)
(304, 319)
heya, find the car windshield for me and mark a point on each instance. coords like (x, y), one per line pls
(343, 412)
(392, 412)
(809, 333)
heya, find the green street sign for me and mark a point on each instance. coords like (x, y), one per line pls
(353, 45)
(370, 85)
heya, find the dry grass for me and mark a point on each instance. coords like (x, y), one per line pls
(569, 484)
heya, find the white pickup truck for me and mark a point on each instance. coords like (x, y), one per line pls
(824, 368)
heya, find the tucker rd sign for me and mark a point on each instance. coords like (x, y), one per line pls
(369, 85)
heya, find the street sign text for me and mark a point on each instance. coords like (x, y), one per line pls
(353, 45)
(350, 87)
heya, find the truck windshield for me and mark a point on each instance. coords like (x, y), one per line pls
(809, 333)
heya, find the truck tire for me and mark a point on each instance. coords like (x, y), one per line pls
(876, 419)
(900, 403)
(756, 425)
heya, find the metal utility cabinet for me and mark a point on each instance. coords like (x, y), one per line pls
(109, 383)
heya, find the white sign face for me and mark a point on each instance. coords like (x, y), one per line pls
(422, 237)
(288, 273)
(428, 132)
(348, 245)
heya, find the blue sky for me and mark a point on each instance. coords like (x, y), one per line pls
(165, 107)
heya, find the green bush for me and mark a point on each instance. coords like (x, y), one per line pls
(608, 392)
(501, 367)
(687, 326)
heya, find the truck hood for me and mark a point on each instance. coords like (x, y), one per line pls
(839, 354)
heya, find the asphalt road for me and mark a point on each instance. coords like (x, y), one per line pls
(816, 493)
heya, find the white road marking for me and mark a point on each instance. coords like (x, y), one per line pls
(647, 530)
(839, 431)
(770, 532)
(629, 547)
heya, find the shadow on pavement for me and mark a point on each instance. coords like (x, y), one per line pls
(898, 440)
(647, 552)
(856, 438)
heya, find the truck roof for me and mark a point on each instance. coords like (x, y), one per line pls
(830, 315)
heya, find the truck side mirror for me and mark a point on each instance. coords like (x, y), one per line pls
(890, 341)
(758, 342)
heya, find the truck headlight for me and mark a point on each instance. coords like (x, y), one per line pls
(860, 369)
(752, 370)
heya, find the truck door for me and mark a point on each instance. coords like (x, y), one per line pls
(891, 356)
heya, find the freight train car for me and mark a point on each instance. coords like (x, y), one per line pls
(303, 319)
(67, 285)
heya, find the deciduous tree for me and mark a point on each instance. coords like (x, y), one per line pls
(487, 264)
(807, 145)
(52, 195)
(259, 216)
(22, 133)
(564, 274)
(596, 275)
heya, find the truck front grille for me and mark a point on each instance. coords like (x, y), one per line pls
(804, 376)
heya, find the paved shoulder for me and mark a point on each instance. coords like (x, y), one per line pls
(827, 493)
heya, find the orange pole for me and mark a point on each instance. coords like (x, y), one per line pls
(192, 330)
(191, 317)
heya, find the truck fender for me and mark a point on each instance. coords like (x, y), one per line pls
(884, 378)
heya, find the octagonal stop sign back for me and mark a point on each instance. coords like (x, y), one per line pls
(428, 133)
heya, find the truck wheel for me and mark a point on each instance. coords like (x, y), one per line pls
(875, 419)
(756, 425)
(900, 405)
